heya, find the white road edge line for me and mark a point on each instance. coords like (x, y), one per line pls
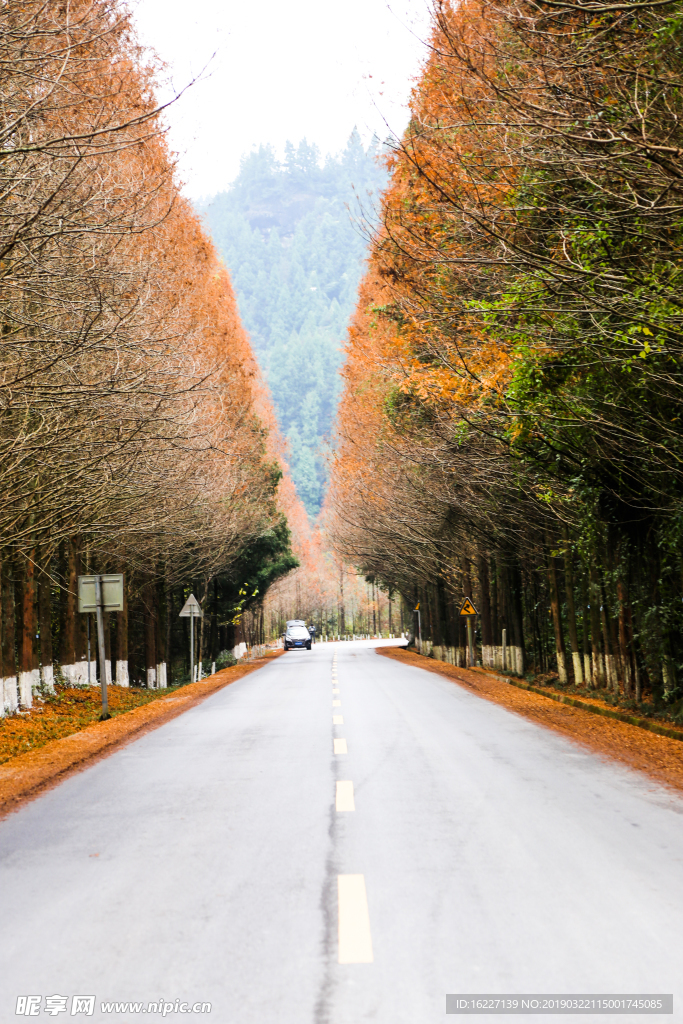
(344, 798)
(355, 941)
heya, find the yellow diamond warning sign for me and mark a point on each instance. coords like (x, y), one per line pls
(468, 608)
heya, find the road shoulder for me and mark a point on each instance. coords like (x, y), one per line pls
(26, 776)
(659, 757)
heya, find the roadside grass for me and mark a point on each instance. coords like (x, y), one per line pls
(68, 710)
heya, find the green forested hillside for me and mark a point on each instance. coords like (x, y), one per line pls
(290, 233)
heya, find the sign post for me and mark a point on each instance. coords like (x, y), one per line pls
(100, 594)
(419, 625)
(100, 643)
(468, 609)
(191, 610)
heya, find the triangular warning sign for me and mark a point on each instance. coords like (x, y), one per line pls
(468, 608)
(191, 608)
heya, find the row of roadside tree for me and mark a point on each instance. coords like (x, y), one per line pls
(511, 427)
(135, 435)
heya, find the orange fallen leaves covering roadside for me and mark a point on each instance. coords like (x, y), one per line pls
(26, 775)
(657, 756)
(71, 709)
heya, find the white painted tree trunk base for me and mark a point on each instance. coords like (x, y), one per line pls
(77, 674)
(48, 677)
(578, 668)
(151, 679)
(517, 660)
(161, 675)
(27, 682)
(122, 676)
(83, 672)
(107, 667)
(561, 666)
(598, 671)
(10, 694)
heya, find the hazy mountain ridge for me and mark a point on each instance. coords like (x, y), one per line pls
(290, 233)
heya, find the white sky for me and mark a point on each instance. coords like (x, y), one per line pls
(307, 68)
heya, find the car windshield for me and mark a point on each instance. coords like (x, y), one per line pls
(298, 632)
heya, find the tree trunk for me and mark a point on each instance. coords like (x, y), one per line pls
(557, 615)
(585, 615)
(487, 658)
(612, 681)
(122, 672)
(435, 615)
(9, 661)
(168, 600)
(452, 621)
(200, 647)
(160, 633)
(493, 588)
(45, 622)
(29, 675)
(517, 610)
(213, 640)
(68, 655)
(503, 612)
(571, 611)
(598, 663)
(81, 630)
(149, 599)
(625, 636)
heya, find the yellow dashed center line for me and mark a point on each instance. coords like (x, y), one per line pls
(344, 800)
(355, 941)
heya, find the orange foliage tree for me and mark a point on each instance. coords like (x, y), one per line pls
(133, 423)
(509, 429)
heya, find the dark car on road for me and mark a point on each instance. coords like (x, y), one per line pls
(297, 636)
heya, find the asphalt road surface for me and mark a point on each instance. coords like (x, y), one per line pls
(466, 850)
